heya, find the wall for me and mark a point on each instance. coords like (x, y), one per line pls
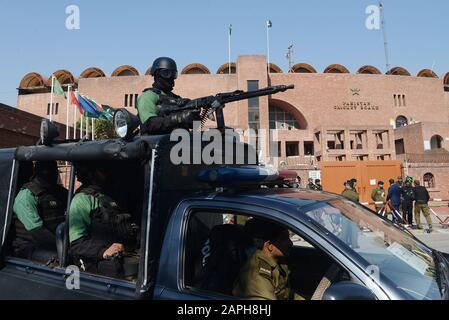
(19, 128)
(440, 172)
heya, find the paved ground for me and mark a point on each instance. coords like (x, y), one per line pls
(439, 238)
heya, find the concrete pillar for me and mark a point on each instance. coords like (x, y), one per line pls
(301, 148)
(254, 68)
(283, 150)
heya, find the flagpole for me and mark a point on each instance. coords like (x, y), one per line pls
(67, 113)
(74, 119)
(81, 132)
(51, 97)
(268, 45)
(93, 129)
(229, 48)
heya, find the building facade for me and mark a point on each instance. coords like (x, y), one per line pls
(334, 115)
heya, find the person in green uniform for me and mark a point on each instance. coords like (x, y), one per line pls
(100, 232)
(349, 231)
(264, 276)
(165, 72)
(350, 192)
(378, 196)
(39, 208)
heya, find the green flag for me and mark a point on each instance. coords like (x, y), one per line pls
(57, 88)
(106, 112)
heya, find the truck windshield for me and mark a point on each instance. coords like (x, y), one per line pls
(409, 265)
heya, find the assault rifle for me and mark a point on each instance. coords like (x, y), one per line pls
(215, 104)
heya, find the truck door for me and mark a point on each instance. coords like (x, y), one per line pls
(208, 243)
(7, 168)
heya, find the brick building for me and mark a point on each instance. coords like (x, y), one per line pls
(330, 116)
(20, 128)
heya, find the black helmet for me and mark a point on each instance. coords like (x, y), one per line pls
(164, 63)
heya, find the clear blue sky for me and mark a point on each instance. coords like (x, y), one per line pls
(33, 36)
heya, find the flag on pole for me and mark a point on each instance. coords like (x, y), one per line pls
(76, 102)
(89, 109)
(58, 88)
(105, 112)
(269, 24)
(108, 112)
(230, 30)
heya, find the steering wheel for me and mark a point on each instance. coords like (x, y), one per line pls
(329, 277)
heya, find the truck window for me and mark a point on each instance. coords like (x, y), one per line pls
(103, 220)
(222, 249)
(105, 217)
(39, 203)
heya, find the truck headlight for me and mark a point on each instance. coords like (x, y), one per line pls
(48, 132)
(125, 123)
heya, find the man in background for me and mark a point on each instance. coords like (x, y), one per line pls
(407, 201)
(311, 185)
(378, 196)
(422, 199)
(318, 185)
(394, 197)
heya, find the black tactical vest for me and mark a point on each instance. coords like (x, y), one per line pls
(51, 207)
(169, 99)
(109, 222)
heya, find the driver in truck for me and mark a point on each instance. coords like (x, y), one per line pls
(265, 276)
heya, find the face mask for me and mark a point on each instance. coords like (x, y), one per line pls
(49, 177)
(164, 84)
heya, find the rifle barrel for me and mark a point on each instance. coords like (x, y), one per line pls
(257, 93)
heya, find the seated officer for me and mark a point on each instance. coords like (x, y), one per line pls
(99, 230)
(39, 207)
(264, 277)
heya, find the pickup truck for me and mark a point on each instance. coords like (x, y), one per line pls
(192, 231)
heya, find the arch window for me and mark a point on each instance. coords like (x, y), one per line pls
(436, 142)
(282, 120)
(401, 121)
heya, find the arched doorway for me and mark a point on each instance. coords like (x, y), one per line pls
(429, 180)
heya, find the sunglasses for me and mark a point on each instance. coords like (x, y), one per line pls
(168, 73)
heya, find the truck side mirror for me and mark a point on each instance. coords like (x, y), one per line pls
(348, 291)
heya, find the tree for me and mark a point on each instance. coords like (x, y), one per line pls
(103, 129)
